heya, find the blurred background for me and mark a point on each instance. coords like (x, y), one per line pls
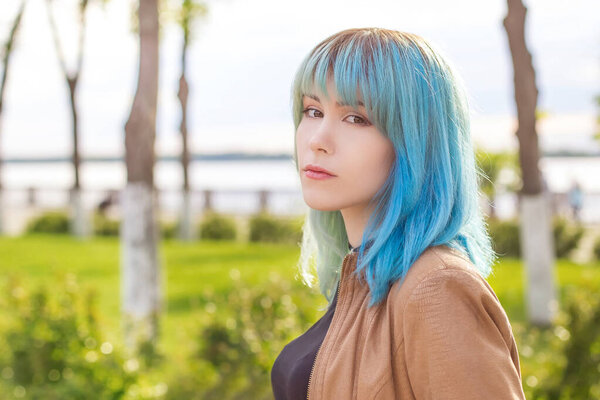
(222, 229)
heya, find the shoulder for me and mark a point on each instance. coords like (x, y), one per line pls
(453, 336)
(439, 265)
(443, 288)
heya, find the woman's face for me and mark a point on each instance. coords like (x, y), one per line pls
(341, 140)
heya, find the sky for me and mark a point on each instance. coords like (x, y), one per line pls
(243, 58)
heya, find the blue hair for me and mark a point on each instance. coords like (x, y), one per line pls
(414, 97)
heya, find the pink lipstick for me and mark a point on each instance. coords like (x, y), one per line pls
(316, 172)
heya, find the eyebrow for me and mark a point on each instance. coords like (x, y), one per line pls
(314, 97)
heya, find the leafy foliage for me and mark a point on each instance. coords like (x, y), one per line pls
(51, 347)
(565, 359)
(566, 236)
(506, 238)
(104, 226)
(597, 249)
(491, 165)
(229, 334)
(243, 331)
(49, 222)
(268, 228)
(217, 227)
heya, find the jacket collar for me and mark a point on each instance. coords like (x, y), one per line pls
(357, 248)
(349, 265)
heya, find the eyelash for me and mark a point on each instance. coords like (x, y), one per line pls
(365, 121)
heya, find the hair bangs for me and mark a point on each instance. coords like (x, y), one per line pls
(358, 72)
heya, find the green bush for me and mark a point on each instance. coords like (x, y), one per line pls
(505, 237)
(49, 222)
(566, 356)
(217, 227)
(241, 332)
(597, 249)
(104, 226)
(268, 228)
(566, 236)
(51, 347)
(168, 230)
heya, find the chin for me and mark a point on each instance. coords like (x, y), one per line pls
(321, 204)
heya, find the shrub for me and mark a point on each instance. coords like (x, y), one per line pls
(217, 227)
(597, 249)
(268, 228)
(104, 226)
(49, 222)
(568, 353)
(505, 237)
(241, 332)
(566, 236)
(168, 230)
(51, 347)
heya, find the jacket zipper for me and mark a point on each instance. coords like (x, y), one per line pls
(320, 344)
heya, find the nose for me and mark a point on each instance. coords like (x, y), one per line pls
(322, 138)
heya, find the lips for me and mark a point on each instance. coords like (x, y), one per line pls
(316, 168)
(316, 172)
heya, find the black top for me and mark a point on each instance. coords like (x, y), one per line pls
(292, 368)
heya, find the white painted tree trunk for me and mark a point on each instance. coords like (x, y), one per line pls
(140, 272)
(79, 221)
(537, 249)
(186, 218)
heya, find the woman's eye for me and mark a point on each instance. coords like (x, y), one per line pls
(312, 113)
(355, 119)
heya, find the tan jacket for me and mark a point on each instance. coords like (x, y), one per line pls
(441, 334)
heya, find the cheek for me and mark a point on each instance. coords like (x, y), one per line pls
(301, 137)
(299, 143)
(376, 162)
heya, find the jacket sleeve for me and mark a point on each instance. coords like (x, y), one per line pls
(458, 342)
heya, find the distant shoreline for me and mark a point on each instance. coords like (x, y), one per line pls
(234, 156)
(167, 158)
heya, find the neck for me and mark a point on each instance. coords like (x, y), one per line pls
(355, 220)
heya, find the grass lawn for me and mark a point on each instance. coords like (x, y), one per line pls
(191, 269)
(188, 270)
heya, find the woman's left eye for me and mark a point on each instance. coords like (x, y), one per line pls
(355, 119)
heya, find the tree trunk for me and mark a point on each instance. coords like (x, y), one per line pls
(79, 222)
(72, 83)
(8, 48)
(536, 237)
(141, 291)
(186, 218)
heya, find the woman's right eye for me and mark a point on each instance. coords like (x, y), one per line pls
(312, 113)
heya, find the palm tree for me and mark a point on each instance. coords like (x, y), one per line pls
(535, 231)
(6, 53)
(188, 11)
(140, 270)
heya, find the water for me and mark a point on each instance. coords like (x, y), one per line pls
(236, 182)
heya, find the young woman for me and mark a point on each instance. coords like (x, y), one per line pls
(386, 164)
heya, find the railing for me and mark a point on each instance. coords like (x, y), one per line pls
(22, 204)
